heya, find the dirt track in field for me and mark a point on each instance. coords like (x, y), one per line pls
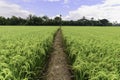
(58, 67)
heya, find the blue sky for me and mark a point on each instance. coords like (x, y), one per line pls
(53, 7)
(70, 9)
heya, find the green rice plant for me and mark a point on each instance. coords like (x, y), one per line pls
(23, 50)
(94, 52)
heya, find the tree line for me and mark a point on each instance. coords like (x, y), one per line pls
(45, 20)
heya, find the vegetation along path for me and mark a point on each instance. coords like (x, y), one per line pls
(57, 66)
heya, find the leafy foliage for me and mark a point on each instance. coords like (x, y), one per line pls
(36, 20)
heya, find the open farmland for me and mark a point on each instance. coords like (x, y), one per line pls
(94, 52)
(23, 51)
(38, 53)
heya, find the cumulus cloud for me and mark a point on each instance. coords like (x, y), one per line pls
(26, 0)
(65, 1)
(110, 9)
(112, 2)
(43, 0)
(8, 10)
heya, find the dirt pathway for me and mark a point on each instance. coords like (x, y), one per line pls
(58, 67)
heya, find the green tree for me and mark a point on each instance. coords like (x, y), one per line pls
(2, 20)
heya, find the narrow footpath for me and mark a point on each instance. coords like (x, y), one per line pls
(58, 66)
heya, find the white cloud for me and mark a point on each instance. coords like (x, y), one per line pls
(8, 10)
(42, 0)
(65, 1)
(112, 2)
(110, 9)
(26, 0)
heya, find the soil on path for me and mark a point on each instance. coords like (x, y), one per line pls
(57, 67)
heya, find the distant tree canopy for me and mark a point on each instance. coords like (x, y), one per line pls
(45, 20)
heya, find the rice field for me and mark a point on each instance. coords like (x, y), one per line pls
(23, 51)
(94, 52)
